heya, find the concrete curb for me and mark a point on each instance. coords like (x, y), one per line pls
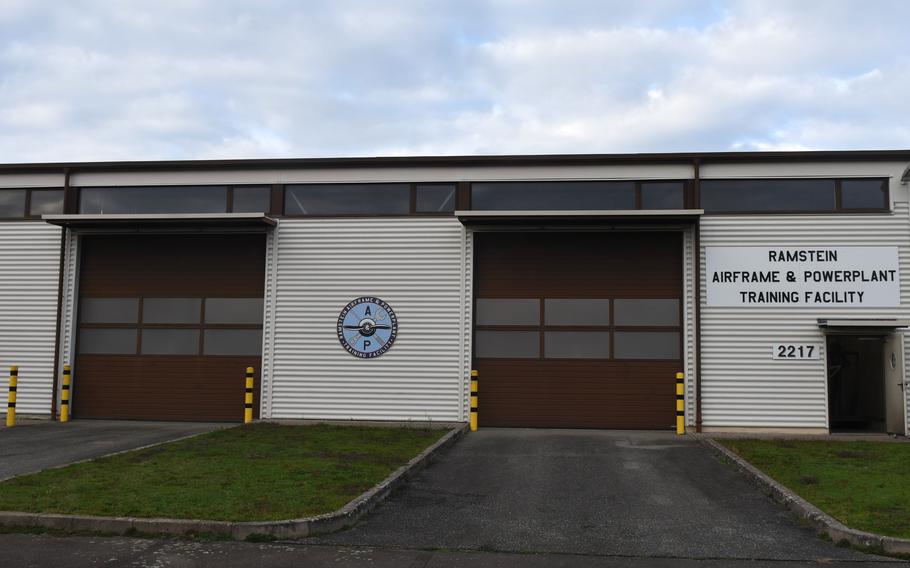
(286, 529)
(818, 519)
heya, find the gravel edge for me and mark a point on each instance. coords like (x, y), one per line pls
(247, 530)
(815, 517)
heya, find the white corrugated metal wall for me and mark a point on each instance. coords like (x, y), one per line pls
(416, 265)
(268, 322)
(741, 385)
(689, 327)
(29, 281)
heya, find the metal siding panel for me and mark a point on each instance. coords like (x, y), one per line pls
(416, 265)
(268, 323)
(689, 328)
(742, 385)
(29, 279)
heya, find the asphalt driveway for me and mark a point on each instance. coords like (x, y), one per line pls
(35, 445)
(604, 493)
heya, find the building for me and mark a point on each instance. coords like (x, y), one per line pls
(576, 285)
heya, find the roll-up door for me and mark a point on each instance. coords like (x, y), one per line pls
(578, 330)
(168, 325)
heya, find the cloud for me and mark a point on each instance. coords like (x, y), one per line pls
(93, 79)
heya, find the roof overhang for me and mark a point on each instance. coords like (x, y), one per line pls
(595, 216)
(163, 219)
(863, 324)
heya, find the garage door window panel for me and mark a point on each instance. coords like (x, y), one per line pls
(233, 342)
(577, 344)
(489, 344)
(584, 312)
(107, 341)
(507, 311)
(646, 312)
(664, 345)
(170, 341)
(109, 310)
(171, 310)
(233, 311)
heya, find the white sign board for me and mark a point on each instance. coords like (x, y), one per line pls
(802, 276)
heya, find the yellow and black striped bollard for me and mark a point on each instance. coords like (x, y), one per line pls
(680, 404)
(65, 394)
(11, 404)
(473, 401)
(248, 397)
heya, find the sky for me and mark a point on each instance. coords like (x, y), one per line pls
(87, 80)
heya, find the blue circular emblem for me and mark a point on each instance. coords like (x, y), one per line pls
(367, 327)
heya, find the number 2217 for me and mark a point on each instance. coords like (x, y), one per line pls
(795, 351)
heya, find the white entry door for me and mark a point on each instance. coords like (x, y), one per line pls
(895, 398)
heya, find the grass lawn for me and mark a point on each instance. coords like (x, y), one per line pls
(865, 485)
(256, 472)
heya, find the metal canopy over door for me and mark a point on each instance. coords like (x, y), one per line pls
(167, 325)
(578, 329)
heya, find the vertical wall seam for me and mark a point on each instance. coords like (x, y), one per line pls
(268, 335)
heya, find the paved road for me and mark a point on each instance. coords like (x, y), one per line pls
(504, 498)
(35, 445)
(604, 493)
(23, 550)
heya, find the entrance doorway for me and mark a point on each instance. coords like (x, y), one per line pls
(865, 383)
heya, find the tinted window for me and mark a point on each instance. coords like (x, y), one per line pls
(543, 196)
(46, 202)
(171, 310)
(233, 310)
(107, 341)
(252, 199)
(173, 199)
(347, 199)
(577, 312)
(577, 344)
(12, 203)
(233, 342)
(435, 198)
(170, 341)
(662, 195)
(109, 310)
(507, 344)
(767, 195)
(864, 194)
(495, 311)
(646, 312)
(646, 344)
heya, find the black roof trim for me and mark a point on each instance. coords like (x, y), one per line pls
(464, 161)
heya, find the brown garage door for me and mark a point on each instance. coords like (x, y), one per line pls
(578, 330)
(168, 325)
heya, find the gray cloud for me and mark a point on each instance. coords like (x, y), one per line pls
(88, 79)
